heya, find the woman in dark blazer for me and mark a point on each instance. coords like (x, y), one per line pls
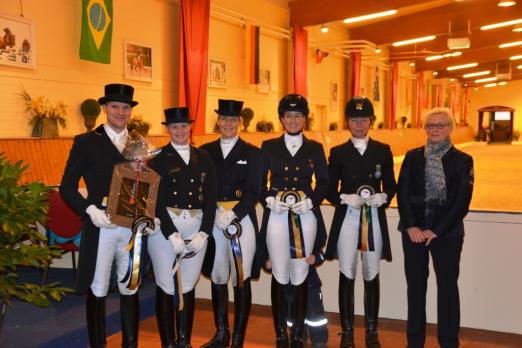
(434, 192)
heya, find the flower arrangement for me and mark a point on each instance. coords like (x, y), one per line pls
(42, 108)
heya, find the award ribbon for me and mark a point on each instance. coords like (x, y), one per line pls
(133, 276)
(365, 242)
(232, 233)
(295, 230)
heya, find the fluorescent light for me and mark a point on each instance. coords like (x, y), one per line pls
(369, 16)
(515, 57)
(490, 85)
(519, 67)
(501, 24)
(510, 44)
(487, 79)
(517, 29)
(324, 29)
(478, 73)
(378, 50)
(412, 41)
(435, 73)
(502, 83)
(430, 58)
(463, 66)
(506, 3)
(456, 54)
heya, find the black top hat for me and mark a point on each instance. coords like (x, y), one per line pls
(293, 102)
(359, 107)
(228, 107)
(118, 92)
(177, 115)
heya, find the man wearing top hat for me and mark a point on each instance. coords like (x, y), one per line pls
(186, 207)
(364, 167)
(235, 227)
(292, 232)
(92, 157)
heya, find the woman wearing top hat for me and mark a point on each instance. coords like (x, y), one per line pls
(292, 231)
(232, 254)
(364, 167)
(92, 157)
(186, 207)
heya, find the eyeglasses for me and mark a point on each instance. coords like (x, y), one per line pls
(436, 125)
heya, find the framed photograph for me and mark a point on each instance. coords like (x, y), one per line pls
(17, 42)
(264, 81)
(217, 73)
(137, 62)
(133, 193)
(334, 93)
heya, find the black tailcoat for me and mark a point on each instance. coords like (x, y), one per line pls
(185, 186)
(238, 179)
(353, 170)
(293, 173)
(92, 157)
(446, 218)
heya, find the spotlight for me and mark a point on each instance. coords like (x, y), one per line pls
(324, 29)
(502, 3)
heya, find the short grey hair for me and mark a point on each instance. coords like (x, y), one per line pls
(441, 111)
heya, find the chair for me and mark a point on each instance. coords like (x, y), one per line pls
(63, 228)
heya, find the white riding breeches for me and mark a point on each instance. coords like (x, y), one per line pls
(284, 268)
(162, 254)
(347, 246)
(112, 245)
(224, 258)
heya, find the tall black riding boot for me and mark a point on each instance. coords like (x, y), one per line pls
(278, 293)
(346, 310)
(242, 304)
(130, 320)
(221, 338)
(299, 310)
(371, 311)
(96, 320)
(184, 320)
(165, 318)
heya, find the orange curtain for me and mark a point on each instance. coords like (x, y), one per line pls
(420, 98)
(300, 60)
(394, 93)
(356, 73)
(193, 59)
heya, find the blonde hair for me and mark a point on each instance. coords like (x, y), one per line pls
(440, 111)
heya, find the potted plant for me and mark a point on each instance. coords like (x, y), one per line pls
(21, 206)
(45, 116)
(137, 123)
(247, 115)
(90, 109)
(265, 126)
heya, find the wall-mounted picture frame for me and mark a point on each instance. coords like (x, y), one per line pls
(334, 95)
(217, 73)
(17, 42)
(137, 61)
(264, 81)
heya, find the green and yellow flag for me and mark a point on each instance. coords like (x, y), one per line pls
(96, 37)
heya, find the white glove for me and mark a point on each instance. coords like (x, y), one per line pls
(99, 218)
(177, 243)
(224, 219)
(377, 200)
(276, 206)
(352, 200)
(157, 228)
(303, 206)
(198, 242)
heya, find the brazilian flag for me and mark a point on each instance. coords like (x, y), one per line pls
(96, 38)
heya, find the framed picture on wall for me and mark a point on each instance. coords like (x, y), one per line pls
(17, 42)
(264, 81)
(217, 73)
(137, 62)
(334, 92)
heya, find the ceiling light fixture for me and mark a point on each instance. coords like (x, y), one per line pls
(490, 85)
(463, 66)
(519, 67)
(324, 29)
(506, 3)
(412, 64)
(515, 57)
(435, 73)
(452, 80)
(502, 83)
(369, 16)
(517, 29)
(412, 41)
(510, 44)
(378, 50)
(478, 73)
(501, 24)
(437, 57)
(487, 79)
